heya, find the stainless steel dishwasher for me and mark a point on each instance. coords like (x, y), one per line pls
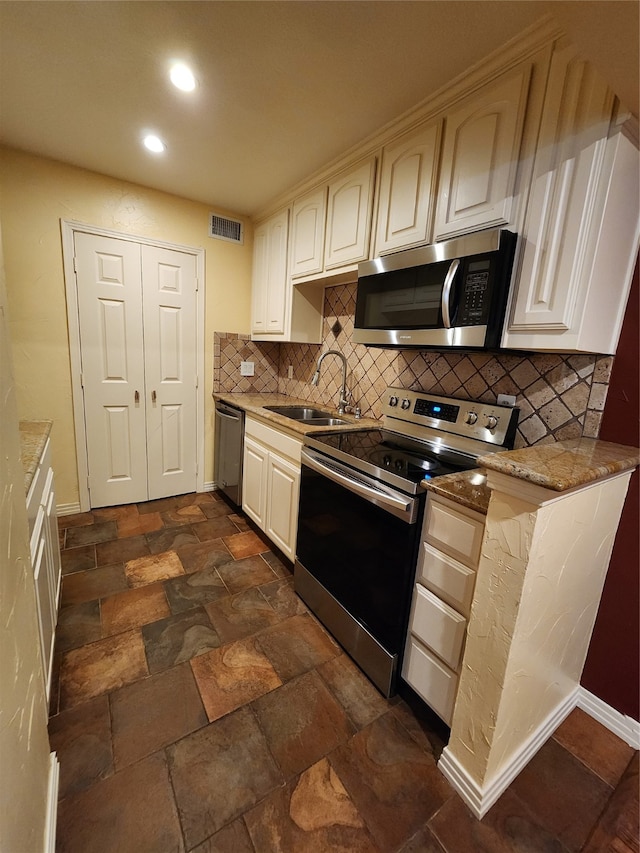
(229, 438)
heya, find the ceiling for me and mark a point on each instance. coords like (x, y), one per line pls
(284, 87)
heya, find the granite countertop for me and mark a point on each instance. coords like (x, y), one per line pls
(254, 404)
(33, 437)
(565, 464)
(467, 488)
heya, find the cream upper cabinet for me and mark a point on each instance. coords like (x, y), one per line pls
(269, 288)
(307, 233)
(581, 232)
(480, 156)
(407, 189)
(349, 211)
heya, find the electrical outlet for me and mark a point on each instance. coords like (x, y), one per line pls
(290, 372)
(506, 400)
(247, 368)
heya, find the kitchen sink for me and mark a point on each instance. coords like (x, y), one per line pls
(311, 416)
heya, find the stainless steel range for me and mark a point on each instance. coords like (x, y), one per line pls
(360, 516)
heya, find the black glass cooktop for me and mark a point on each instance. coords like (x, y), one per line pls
(379, 452)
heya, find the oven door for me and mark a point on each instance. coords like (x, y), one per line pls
(356, 555)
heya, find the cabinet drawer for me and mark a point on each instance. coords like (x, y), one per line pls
(448, 578)
(282, 443)
(431, 679)
(453, 531)
(438, 626)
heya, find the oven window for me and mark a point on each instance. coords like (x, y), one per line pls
(402, 299)
(364, 556)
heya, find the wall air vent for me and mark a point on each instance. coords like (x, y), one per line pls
(223, 228)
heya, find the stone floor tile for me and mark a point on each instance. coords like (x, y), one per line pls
(171, 539)
(178, 638)
(282, 598)
(245, 544)
(596, 747)
(297, 645)
(565, 796)
(356, 694)
(101, 667)
(302, 723)
(179, 516)
(89, 586)
(425, 727)
(133, 608)
(153, 713)
(77, 625)
(198, 556)
(281, 567)
(214, 528)
(78, 559)
(159, 505)
(153, 568)
(78, 519)
(240, 522)
(138, 525)
(394, 784)
(134, 810)
(508, 826)
(232, 676)
(198, 588)
(219, 772)
(232, 838)
(91, 534)
(81, 737)
(312, 814)
(121, 550)
(217, 509)
(245, 572)
(423, 842)
(242, 615)
(618, 827)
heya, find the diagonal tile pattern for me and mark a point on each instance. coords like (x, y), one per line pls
(208, 711)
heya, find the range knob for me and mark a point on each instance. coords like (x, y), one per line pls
(470, 418)
(405, 403)
(491, 422)
(393, 401)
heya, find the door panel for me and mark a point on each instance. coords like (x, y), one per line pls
(170, 367)
(109, 279)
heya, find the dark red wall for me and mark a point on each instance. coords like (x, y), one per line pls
(613, 662)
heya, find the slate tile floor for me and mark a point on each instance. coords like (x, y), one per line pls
(198, 706)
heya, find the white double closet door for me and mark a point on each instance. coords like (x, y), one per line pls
(137, 316)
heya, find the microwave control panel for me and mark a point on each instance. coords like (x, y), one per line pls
(475, 293)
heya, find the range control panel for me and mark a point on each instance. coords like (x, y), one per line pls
(409, 411)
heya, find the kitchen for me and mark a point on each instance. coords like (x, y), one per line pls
(32, 186)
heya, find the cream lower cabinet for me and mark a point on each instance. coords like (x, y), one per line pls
(445, 580)
(271, 482)
(581, 233)
(45, 557)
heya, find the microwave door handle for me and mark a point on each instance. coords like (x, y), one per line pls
(446, 292)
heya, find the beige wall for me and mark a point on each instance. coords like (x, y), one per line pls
(35, 194)
(24, 745)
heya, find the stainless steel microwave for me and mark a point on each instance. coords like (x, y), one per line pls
(449, 294)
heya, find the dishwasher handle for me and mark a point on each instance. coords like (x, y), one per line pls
(228, 412)
(397, 504)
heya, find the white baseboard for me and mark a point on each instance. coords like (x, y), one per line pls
(625, 727)
(68, 509)
(52, 804)
(480, 798)
(210, 487)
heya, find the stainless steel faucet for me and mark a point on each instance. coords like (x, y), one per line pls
(344, 394)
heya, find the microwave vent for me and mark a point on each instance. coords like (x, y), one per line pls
(223, 228)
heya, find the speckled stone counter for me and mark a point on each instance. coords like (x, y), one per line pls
(565, 464)
(254, 404)
(468, 488)
(33, 437)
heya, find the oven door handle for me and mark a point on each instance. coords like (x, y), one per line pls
(399, 505)
(446, 292)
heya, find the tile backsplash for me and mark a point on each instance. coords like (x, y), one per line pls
(560, 396)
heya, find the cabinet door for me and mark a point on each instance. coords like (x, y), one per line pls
(282, 504)
(480, 157)
(52, 544)
(349, 211)
(254, 481)
(307, 233)
(46, 618)
(582, 223)
(407, 190)
(269, 283)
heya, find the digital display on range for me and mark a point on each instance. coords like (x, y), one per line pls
(431, 409)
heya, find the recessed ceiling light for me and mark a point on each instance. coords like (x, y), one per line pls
(182, 77)
(154, 143)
